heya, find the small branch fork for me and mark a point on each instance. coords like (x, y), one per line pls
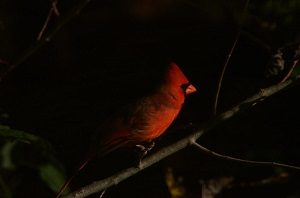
(52, 10)
(47, 36)
(190, 140)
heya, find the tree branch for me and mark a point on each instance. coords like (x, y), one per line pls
(290, 71)
(226, 157)
(53, 10)
(227, 62)
(31, 50)
(103, 184)
(223, 72)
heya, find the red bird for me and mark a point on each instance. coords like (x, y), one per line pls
(144, 120)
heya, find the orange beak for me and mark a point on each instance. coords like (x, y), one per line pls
(190, 89)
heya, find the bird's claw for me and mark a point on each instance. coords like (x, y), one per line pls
(145, 148)
(143, 151)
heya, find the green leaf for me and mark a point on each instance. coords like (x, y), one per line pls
(52, 176)
(42, 145)
(6, 153)
(6, 131)
(47, 165)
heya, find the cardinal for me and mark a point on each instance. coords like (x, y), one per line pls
(144, 120)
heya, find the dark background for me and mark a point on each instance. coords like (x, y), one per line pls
(114, 52)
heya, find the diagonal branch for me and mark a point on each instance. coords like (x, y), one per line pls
(103, 184)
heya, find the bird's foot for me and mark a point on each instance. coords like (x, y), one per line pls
(143, 151)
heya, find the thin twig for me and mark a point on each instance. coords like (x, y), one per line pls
(49, 16)
(226, 63)
(30, 51)
(100, 185)
(54, 7)
(226, 157)
(52, 10)
(102, 193)
(223, 72)
(275, 179)
(290, 71)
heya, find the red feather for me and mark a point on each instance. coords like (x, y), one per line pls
(145, 120)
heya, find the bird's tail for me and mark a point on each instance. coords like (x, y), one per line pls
(67, 183)
(109, 147)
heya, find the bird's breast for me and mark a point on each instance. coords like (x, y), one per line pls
(157, 123)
